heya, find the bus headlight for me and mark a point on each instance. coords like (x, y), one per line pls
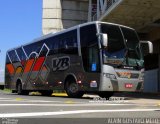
(111, 76)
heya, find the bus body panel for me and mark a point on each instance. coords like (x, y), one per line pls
(117, 83)
(44, 71)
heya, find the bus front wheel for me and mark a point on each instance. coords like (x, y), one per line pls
(72, 89)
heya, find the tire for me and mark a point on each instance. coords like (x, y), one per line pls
(20, 91)
(46, 92)
(105, 94)
(72, 89)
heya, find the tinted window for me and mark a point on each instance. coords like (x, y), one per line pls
(32, 50)
(130, 37)
(65, 43)
(68, 43)
(52, 43)
(115, 39)
(89, 48)
(13, 56)
(132, 42)
(21, 54)
(7, 60)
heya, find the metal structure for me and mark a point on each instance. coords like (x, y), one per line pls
(143, 15)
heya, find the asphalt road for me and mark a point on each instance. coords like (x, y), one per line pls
(89, 109)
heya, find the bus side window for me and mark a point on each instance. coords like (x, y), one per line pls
(7, 60)
(38, 46)
(72, 47)
(61, 45)
(21, 54)
(32, 50)
(13, 56)
(68, 43)
(52, 43)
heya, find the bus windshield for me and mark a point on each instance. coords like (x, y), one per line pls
(123, 49)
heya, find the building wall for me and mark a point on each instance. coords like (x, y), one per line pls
(62, 14)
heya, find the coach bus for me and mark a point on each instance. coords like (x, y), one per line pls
(96, 57)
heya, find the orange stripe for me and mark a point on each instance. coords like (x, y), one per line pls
(28, 65)
(10, 68)
(18, 70)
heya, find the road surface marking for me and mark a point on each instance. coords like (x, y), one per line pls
(6, 115)
(19, 99)
(85, 104)
(9, 100)
(59, 94)
(5, 98)
(69, 102)
(26, 100)
(43, 101)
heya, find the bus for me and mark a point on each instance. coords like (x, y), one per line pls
(94, 57)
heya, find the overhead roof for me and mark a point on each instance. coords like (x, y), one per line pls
(143, 15)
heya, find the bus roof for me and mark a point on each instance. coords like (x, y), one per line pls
(66, 30)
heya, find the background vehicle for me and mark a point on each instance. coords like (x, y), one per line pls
(95, 57)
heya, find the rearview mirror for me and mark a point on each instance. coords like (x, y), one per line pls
(147, 47)
(104, 39)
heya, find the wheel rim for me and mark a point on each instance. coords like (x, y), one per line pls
(73, 87)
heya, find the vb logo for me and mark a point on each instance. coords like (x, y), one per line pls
(61, 63)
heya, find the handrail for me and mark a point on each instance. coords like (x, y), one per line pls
(107, 4)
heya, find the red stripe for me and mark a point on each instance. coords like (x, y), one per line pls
(38, 64)
(28, 66)
(10, 68)
(23, 62)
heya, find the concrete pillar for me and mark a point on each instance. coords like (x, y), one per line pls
(62, 14)
(52, 15)
(90, 11)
